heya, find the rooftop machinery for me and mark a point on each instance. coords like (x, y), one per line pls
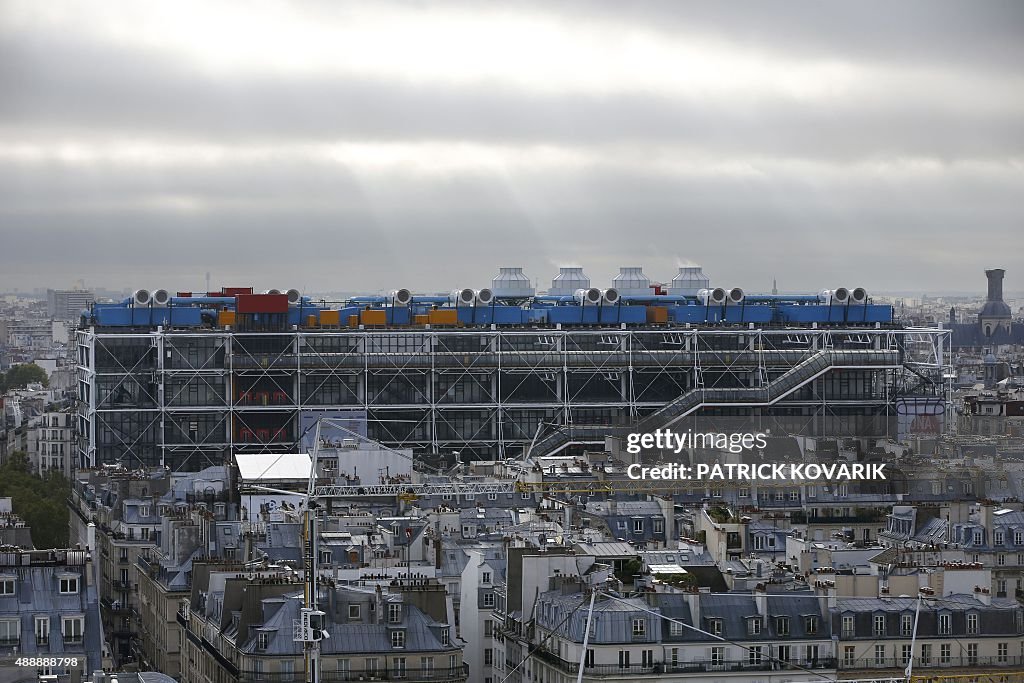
(512, 302)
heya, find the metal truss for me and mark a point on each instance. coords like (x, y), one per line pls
(486, 390)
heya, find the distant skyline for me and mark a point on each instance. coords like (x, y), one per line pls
(365, 146)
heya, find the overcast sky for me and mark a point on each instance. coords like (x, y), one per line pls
(367, 146)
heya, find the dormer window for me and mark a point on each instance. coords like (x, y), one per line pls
(715, 627)
(144, 511)
(811, 624)
(262, 640)
(972, 624)
(754, 626)
(7, 585)
(782, 626)
(398, 639)
(945, 624)
(485, 577)
(69, 585)
(977, 537)
(997, 538)
(639, 628)
(353, 612)
(394, 613)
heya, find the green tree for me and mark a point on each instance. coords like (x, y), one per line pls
(20, 376)
(40, 501)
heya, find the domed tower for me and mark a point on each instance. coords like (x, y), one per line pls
(995, 315)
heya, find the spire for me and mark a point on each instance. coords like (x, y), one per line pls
(775, 287)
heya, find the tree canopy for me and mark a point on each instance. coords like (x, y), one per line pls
(41, 501)
(20, 376)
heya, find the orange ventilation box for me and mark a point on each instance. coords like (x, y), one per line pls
(225, 318)
(310, 321)
(443, 317)
(373, 317)
(330, 318)
(657, 314)
(353, 321)
(421, 320)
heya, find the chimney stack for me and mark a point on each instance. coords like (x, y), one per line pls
(995, 284)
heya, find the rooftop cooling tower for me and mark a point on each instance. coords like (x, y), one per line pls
(569, 280)
(689, 281)
(631, 281)
(511, 283)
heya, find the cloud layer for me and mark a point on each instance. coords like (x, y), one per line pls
(362, 147)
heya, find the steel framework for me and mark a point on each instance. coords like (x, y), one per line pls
(188, 398)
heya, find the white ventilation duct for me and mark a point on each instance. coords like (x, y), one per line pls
(161, 297)
(463, 297)
(712, 296)
(736, 295)
(272, 291)
(141, 297)
(294, 296)
(588, 297)
(840, 295)
(484, 296)
(401, 297)
(611, 296)
(858, 295)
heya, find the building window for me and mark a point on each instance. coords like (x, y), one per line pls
(488, 628)
(715, 627)
(717, 656)
(879, 629)
(353, 612)
(262, 640)
(398, 667)
(287, 669)
(848, 627)
(589, 660)
(71, 629)
(744, 492)
(754, 626)
(754, 655)
(783, 653)
(945, 624)
(972, 654)
(675, 628)
(879, 655)
(42, 629)
(997, 537)
(10, 632)
(659, 526)
(488, 600)
(1018, 537)
(945, 652)
(674, 660)
(623, 659)
(446, 636)
(972, 624)
(69, 586)
(647, 658)
(1002, 652)
(488, 656)
(926, 654)
(977, 537)
(638, 526)
(6, 586)
(394, 613)
(398, 639)
(485, 577)
(905, 654)
(144, 511)
(427, 666)
(639, 628)
(811, 625)
(906, 624)
(849, 656)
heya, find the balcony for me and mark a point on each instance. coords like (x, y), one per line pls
(698, 666)
(413, 675)
(935, 662)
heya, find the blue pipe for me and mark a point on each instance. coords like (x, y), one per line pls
(434, 299)
(657, 298)
(556, 299)
(213, 300)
